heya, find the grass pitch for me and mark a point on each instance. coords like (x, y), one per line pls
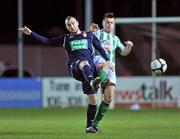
(69, 124)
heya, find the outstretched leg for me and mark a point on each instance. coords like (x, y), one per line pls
(89, 75)
(86, 71)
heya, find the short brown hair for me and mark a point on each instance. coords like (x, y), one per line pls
(109, 15)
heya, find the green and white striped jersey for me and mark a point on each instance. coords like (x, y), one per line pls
(109, 42)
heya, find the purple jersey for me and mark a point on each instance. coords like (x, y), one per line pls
(78, 47)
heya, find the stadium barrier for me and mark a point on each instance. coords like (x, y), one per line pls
(67, 92)
(20, 93)
(141, 90)
(62, 92)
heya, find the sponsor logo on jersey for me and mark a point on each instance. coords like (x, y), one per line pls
(79, 44)
(106, 45)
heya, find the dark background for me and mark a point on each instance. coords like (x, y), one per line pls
(45, 15)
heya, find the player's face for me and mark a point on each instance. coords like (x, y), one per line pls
(72, 25)
(108, 24)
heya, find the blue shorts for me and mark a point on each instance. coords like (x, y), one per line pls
(76, 73)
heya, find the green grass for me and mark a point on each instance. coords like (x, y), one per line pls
(69, 124)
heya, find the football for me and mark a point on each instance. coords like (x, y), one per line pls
(158, 66)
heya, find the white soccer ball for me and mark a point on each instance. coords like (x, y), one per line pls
(158, 66)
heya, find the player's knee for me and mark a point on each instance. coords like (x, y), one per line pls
(83, 63)
(92, 99)
(108, 97)
(102, 66)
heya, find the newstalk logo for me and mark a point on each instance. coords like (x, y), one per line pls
(153, 93)
(148, 95)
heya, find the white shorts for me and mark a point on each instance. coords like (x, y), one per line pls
(111, 74)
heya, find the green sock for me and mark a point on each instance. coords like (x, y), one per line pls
(101, 112)
(102, 75)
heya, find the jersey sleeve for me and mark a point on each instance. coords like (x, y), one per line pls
(119, 47)
(97, 33)
(49, 41)
(97, 46)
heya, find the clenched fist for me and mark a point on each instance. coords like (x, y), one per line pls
(129, 44)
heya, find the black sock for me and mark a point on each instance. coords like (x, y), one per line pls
(87, 73)
(91, 112)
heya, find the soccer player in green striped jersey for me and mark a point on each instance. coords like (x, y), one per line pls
(111, 43)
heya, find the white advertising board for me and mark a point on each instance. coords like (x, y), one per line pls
(148, 91)
(62, 92)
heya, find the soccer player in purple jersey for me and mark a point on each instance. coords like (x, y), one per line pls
(79, 47)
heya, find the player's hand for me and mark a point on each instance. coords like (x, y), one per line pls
(110, 65)
(93, 27)
(25, 30)
(129, 44)
(127, 49)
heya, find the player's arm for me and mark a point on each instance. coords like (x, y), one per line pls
(53, 41)
(126, 50)
(97, 46)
